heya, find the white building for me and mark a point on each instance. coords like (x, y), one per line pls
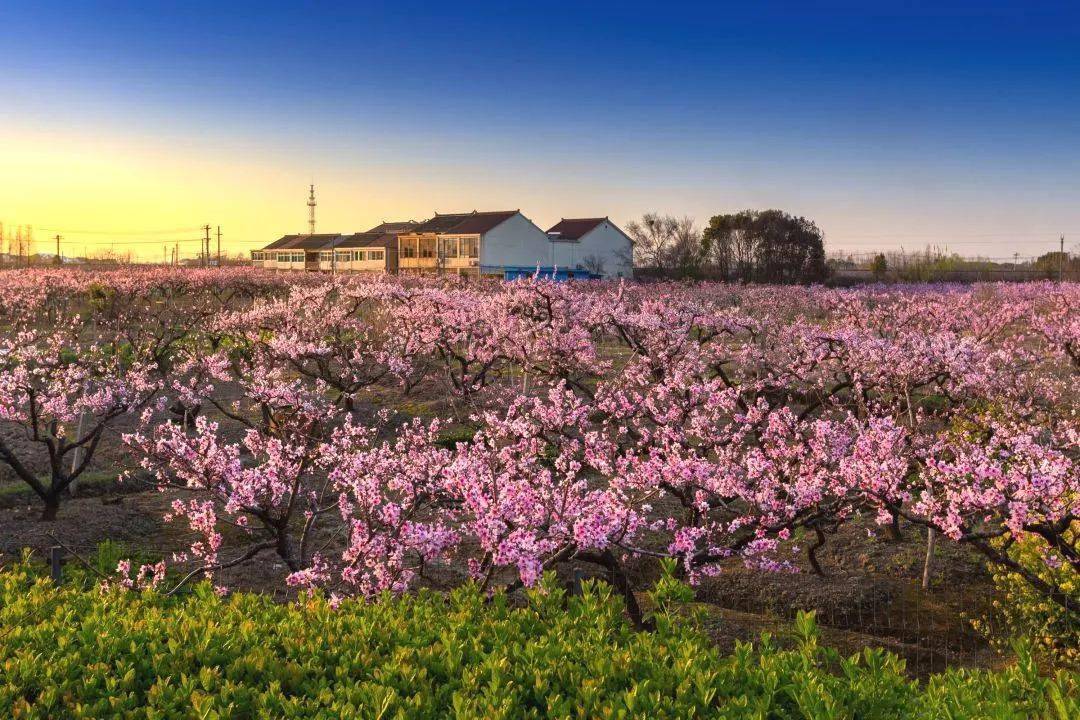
(593, 244)
(294, 252)
(476, 243)
(363, 252)
(503, 244)
(371, 251)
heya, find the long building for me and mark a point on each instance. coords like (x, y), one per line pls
(503, 244)
(476, 243)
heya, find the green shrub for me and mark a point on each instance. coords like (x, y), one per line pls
(74, 653)
(1018, 612)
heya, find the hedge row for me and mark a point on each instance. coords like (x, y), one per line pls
(87, 654)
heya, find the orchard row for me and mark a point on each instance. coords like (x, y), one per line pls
(604, 422)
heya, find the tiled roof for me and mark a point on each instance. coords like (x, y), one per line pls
(394, 227)
(304, 242)
(314, 242)
(574, 228)
(281, 242)
(367, 239)
(474, 223)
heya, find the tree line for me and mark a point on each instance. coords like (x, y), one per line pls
(765, 246)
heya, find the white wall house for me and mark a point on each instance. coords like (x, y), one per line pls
(293, 252)
(362, 252)
(593, 244)
(496, 244)
(476, 243)
(371, 251)
(515, 243)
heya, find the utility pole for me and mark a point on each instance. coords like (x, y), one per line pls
(1061, 260)
(59, 260)
(206, 252)
(219, 246)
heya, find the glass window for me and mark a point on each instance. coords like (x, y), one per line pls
(470, 247)
(427, 247)
(408, 248)
(448, 247)
(376, 254)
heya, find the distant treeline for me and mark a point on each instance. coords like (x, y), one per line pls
(935, 265)
(771, 246)
(766, 246)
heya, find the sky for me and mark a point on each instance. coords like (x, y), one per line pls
(891, 125)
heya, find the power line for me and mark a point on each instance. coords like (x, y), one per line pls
(138, 242)
(1032, 233)
(120, 232)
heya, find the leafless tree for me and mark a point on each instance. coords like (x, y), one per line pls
(593, 264)
(665, 242)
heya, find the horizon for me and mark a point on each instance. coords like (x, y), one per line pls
(953, 126)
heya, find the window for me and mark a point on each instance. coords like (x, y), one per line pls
(326, 256)
(343, 256)
(256, 256)
(470, 247)
(427, 247)
(408, 248)
(376, 254)
(448, 247)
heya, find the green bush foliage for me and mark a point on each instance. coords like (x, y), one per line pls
(77, 653)
(1018, 612)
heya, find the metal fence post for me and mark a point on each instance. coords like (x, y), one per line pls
(55, 554)
(575, 582)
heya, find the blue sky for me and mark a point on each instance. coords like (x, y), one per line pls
(891, 125)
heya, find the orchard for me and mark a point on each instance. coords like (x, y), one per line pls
(604, 424)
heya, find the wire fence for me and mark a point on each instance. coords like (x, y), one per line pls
(931, 629)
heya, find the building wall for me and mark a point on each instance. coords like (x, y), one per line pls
(516, 243)
(565, 254)
(364, 264)
(275, 260)
(607, 243)
(391, 248)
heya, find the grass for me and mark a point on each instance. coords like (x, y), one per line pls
(91, 482)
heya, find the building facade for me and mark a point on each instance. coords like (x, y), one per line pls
(371, 251)
(476, 243)
(503, 244)
(595, 245)
(297, 253)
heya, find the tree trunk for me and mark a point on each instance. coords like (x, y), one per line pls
(930, 535)
(52, 506)
(811, 552)
(892, 530)
(285, 548)
(608, 560)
